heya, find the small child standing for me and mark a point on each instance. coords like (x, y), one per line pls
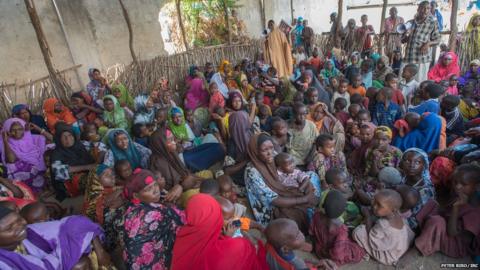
(330, 234)
(326, 157)
(342, 92)
(288, 175)
(409, 85)
(390, 237)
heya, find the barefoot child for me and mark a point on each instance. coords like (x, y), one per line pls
(287, 173)
(390, 237)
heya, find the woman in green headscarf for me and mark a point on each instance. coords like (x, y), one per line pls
(182, 131)
(122, 95)
(329, 71)
(114, 115)
(287, 90)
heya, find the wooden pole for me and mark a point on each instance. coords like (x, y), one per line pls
(130, 32)
(227, 21)
(382, 26)
(380, 5)
(291, 10)
(338, 31)
(261, 4)
(42, 42)
(180, 23)
(453, 26)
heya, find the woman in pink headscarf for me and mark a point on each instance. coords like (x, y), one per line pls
(446, 66)
(196, 95)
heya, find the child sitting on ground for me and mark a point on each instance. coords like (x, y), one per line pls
(410, 197)
(429, 96)
(265, 118)
(35, 213)
(283, 238)
(409, 122)
(389, 237)
(455, 233)
(233, 225)
(288, 175)
(352, 140)
(226, 190)
(326, 157)
(386, 112)
(330, 234)
(452, 85)
(391, 80)
(356, 86)
(216, 97)
(468, 106)
(340, 107)
(193, 123)
(342, 92)
(381, 154)
(455, 126)
(140, 134)
(123, 171)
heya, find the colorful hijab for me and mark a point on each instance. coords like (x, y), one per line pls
(179, 131)
(441, 72)
(288, 90)
(125, 97)
(30, 148)
(426, 136)
(75, 155)
(36, 119)
(116, 117)
(201, 245)
(329, 73)
(196, 95)
(94, 201)
(53, 117)
(131, 153)
(470, 28)
(143, 115)
(168, 164)
(231, 96)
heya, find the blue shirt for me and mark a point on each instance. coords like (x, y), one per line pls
(430, 105)
(386, 116)
(439, 18)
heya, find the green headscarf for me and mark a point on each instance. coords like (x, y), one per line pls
(180, 132)
(288, 90)
(117, 117)
(125, 97)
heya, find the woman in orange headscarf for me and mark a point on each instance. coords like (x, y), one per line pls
(55, 111)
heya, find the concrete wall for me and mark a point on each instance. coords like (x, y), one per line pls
(97, 33)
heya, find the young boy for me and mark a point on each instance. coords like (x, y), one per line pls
(429, 95)
(356, 86)
(315, 61)
(280, 135)
(342, 93)
(391, 81)
(386, 112)
(283, 238)
(409, 85)
(326, 157)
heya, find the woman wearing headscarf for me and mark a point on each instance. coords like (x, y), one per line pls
(58, 244)
(121, 146)
(327, 123)
(446, 67)
(381, 70)
(150, 227)
(225, 69)
(415, 168)
(98, 86)
(55, 111)
(22, 153)
(197, 95)
(124, 98)
(267, 196)
(114, 115)
(144, 110)
(23, 112)
(200, 243)
(70, 163)
(425, 136)
(329, 70)
(311, 81)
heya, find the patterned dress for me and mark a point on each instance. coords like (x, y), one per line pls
(391, 158)
(149, 233)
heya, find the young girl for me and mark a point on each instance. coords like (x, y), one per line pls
(452, 85)
(456, 231)
(326, 157)
(330, 234)
(381, 154)
(390, 237)
(216, 98)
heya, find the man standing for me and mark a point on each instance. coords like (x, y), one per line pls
(392, 39)
(333, 29)
(308, 37)
(420, 38)
(277, 51)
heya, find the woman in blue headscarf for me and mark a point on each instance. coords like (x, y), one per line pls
(121, 146)
(298, 32)
(23, 112)
(144, 110)
(426, 136)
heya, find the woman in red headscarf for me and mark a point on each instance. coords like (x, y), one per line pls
(445, 67)
(201, 245)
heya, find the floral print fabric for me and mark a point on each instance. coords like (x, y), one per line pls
(149, 233)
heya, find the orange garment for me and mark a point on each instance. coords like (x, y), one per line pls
(51, 117)
(443, 135)
(278, 52)
(216, 100)
(360, 90)
(315, 62)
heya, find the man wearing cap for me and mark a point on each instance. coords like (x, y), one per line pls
(420, 38)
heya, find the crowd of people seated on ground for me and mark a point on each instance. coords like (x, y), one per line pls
(365, 162)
